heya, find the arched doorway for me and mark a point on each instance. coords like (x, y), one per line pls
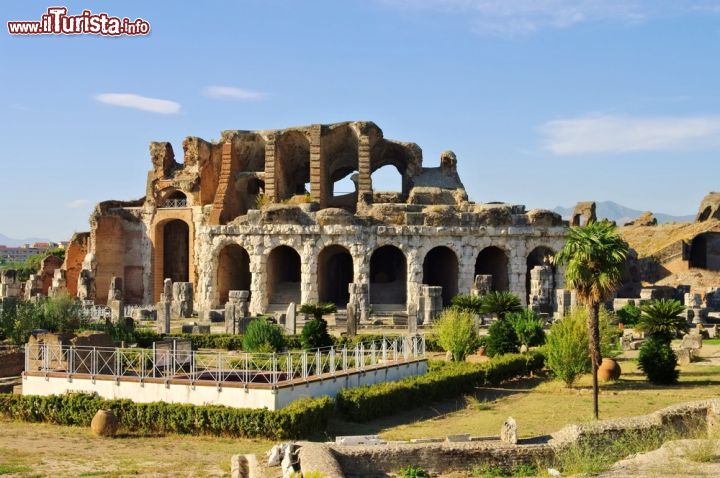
(176, 251)
(493, 260)
(705, 251)
(388, 276)
(440, 268)
(283, 276)
(233, 271)
(335, 272)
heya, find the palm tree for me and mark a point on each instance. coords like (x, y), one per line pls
(500, 303)
(594, 259)
(661, 319)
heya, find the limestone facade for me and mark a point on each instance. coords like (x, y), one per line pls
(237, 215)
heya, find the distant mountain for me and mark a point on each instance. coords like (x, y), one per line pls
(10, 242)
(621, 214)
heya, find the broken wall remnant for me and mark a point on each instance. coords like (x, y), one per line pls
(583, 214)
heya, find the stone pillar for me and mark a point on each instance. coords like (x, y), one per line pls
(115, 300)
(565, 301)
(364, 171)
(59, 284)
(541, 288)
(352, 319)
(86, 286)
(290, 319)
(270, 149)
(318, 174)
(432, 302)
(182, 299)
(359, 295)
(33, 286)
(482, 284)
(9, 287)
(412, 319)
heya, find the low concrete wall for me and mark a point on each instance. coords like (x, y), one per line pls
(378, 460)
(172, 391)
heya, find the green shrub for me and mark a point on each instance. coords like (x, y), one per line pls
(501, 339)
(529, 328)
(629, 315)
(262, 335)
(658, 361)
(302, 418)
(457, 333)
(444, 380)
(55, 314)
(319, 309)
(662, 319)
(566, 350)
(315, 334)
(412, 471)
(500, 303)
(468, 303)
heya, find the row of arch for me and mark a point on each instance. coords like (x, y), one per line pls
(335, 270)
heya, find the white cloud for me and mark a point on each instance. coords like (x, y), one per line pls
(621, 134)
(517, 17)
(233, 93)
(78, 203)
(129, 100)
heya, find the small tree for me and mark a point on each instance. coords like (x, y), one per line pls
(658, 361)
(263, 336)
(468, 303)
(501, 338)
(566, 349)
(529, 328)
(319, 309)
(500, 303)
(457, 333)
(662, 319)
(315, 334)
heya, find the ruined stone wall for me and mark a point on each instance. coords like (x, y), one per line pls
(414, 241)
(74, 256)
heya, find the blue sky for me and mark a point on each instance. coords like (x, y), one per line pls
(545, 102)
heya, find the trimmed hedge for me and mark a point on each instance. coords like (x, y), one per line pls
(303, 418)
(443, 380)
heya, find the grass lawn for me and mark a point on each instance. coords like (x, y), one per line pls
(542, 405)
(35, 449)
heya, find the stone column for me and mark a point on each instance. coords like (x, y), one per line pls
(270, 150)
(412, 319)
(182, 299)
(481, 285)
(352, 319)
(364, 171)
(541, 288)
(432, 301)
(359, 295)
(115, 300)
(59, 283)
(86, 286)
(9, 287)
(317, 168)
(164, 307)
(290, 319)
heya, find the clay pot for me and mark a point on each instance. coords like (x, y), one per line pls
(481, 351)
(105, 423)
(609, 370)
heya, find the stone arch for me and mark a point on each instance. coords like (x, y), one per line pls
(172, 197)
(335, 272)
(539, 256)
(493, 260)
(705, 251)
(233, 271)
(175, 250)
(388, 276)
(441, 268)
(340, 152)
(283, 274)
(292, 165)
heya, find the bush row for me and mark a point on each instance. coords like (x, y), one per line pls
(443, 380)
(303, 418)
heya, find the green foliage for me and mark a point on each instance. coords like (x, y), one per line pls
(594, 258)
(658, 361)
(457, 333)
(315, 334)
(263, 336)
(500, 303)
(56, 314)
(529, 328)
(521, 469)
(412, 471)
(467, 303)
(31, 265)
(566, 349)
(319, 309)
(502, 339)
(629, 315)
(302, 418)
(443, 380)
(662, 319)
